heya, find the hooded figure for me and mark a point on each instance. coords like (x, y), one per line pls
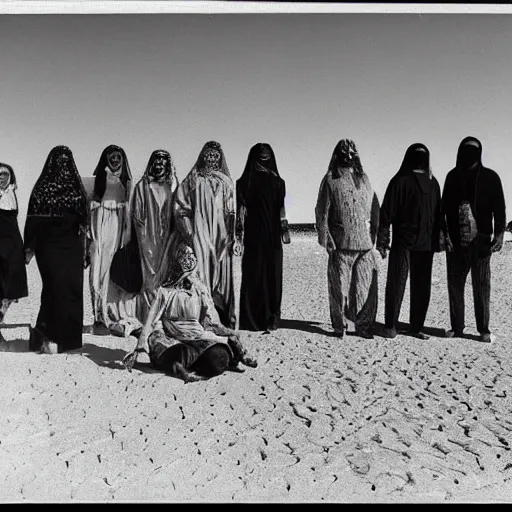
(204, 216)
(347, 216)
(183, 334)
(260, 194)
(412, 207)
(153, 220)
(110, 231)
(474, 205)
(13, 274)
(55, 233)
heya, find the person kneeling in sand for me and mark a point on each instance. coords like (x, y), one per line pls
(183, 335)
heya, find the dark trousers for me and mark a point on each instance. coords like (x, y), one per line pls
(419, 263)
(459, 262)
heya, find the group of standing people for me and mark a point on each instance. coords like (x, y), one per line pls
(161, 253)
(133, 238)
(415, 220)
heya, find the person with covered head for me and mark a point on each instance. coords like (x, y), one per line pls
(55, 230)
(261, 218)
(114, 307)
(153, 222)
(13, 274)
(204, 213)
(412, 209)
(183, 335)
(347, 215)
(474, 206)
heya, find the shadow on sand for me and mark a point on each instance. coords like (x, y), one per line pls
(305, 326)
(403, 329)
(96, 330)
(104, 356)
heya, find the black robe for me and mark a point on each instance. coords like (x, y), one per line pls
(13, 274)
(59, 252)
(262, 261)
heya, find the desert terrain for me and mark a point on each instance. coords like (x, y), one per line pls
(321, 419)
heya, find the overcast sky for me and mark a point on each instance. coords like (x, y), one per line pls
(300, 82)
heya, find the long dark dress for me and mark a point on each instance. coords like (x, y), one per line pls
(262, 261)
(59, 252)
(13, 274)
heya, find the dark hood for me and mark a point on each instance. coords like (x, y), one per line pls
(469, 154)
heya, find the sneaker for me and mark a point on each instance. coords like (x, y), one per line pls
(420, 335)
(486, 338)
(338, 334)
(389, 332)
(451, 333)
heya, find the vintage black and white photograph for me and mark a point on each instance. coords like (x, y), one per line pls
(255, 253)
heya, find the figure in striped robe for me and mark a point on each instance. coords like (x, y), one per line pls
(347, 213)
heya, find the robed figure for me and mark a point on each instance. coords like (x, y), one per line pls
(152, 215)
(110, 232)
(55, 233)
(13, 274)
(204, 213)
(260, 194)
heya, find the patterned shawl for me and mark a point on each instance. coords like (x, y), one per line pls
(59, 188)
(201, 166)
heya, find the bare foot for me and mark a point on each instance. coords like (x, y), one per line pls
(49, 347)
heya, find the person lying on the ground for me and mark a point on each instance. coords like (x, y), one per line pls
(183, 335)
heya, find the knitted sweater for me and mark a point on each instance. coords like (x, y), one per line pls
(346, 213)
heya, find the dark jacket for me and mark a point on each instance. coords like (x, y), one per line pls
(412, 205)
(485, 197)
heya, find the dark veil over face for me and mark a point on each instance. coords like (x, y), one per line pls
(261, 158)
(59, 188)
(469, 155)
(100, 183)
(417, 157)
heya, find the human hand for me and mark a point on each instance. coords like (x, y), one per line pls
(29, 254)
(237, 249)
(87, 260)
(130, 359)
(383, 252)
(497, 243)
(330, 246)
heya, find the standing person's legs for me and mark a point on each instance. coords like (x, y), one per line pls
(222, 290)
(339, 271)
(106, 243)
(420, 287)
(398, 271)
(335, 293)
(481, 280)
(458, 263)
(364, 293)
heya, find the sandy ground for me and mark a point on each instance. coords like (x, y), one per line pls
(320, 419)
